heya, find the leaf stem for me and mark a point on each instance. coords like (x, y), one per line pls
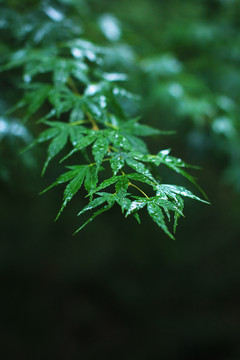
(92, 121)
(131, 184)
(113, 148)
(73, 86)
(110, 125)
(94, 163)
(79, 122)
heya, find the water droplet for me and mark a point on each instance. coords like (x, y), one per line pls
(77, 53)
(14, 128)
(53, 13)
(116, 91)
(103, 101)
(3, 126)
(92, 89)
(3, 23)
(165, 152)
(134, 206)
(90, 55)
(115, 77)
(27, 78)
(99, 61)
(110, 27)
(223, 125)
(225, 103)
(176, 90)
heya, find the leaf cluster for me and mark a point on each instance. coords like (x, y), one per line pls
(80, 103)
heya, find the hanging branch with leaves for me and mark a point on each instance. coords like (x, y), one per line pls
(87, 122)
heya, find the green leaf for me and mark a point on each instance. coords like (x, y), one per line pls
(61, 71)
(116, 162)
(67, 176)
(173, 190)
(121, 190)
(156, 214)
(120, 92)
(35, 99)
(94, 109)
(108, 182)
(62, 99)
(177, 215)
(91, 179)
(167, 205)
(119, 141)
(44, 136)
(73, 187)
(86, 141)
(187, 176)
(77, 113)
(47, 135)
(76, 134)
(136, 143)
(49, 115)
(136, 205)
(137, 217)
(57, 144)
(81, 144)
(139, 167)
(100, 211)
(145, 130)
(80, 72)
(100, 148)
(142, 178)
(93, 204)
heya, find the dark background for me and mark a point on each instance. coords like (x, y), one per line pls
(118, 290)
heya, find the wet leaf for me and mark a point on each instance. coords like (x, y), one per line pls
(139, 167)
(100, 148)
(116, 162)
(57, 144)
(174, 190)
(81, 144)
(74, 82)
(177, 215)
(121, 190)
(93, 204)
(156, 214)
(73, 187)
(108, 182)
(77, 114)
(145, 130)
(91, 179)
(119, 141)
(137, 217)
(144, 179)
(99, 212)
(35, 99)
(65, 177)
(76, 134)
(136, 205)
(137, 144)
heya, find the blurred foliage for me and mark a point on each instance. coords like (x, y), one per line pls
(126, 293)
(69, 80)
(184, 62)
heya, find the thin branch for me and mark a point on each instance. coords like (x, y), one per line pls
(92, 121)
(130, 184)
